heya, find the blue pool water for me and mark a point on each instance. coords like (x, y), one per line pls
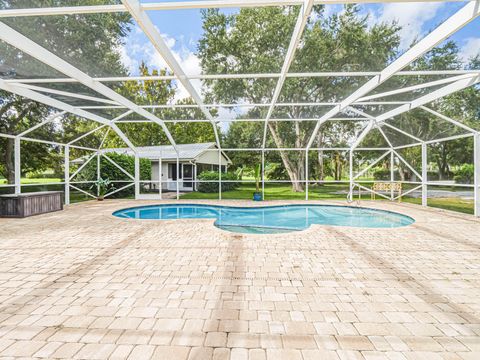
(270, 219)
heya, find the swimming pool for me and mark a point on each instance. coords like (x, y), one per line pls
(270, 219)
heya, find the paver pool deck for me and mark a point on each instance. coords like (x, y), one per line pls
(84, 284)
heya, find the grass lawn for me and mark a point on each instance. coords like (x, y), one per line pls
(279, 192)
(453, 204)
(35, 181)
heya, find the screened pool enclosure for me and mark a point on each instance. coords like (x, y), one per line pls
(405, 115)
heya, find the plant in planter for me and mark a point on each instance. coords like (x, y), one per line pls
(102, 185)
(257, 195)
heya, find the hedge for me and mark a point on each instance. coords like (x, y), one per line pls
(111, 172)
(212, 187)
(465, 174)
(381, 174)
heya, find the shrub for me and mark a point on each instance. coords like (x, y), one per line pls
(276, 171)
(465, 174)
(381, 174)
(212, 187)
(112, 173)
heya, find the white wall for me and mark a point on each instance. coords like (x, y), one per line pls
(211, 157)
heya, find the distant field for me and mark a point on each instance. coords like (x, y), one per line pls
(35, 181)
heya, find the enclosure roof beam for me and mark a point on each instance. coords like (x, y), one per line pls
(46, 121)
(418, 87)
(402, 132)
(362, 135)
(143, 20)
(31, 48)
(179, 5)
(450, 120)
(304, 14)
(379, 128)
(241, 120)
(33, 95)
(248, 76)
(100, 127)
(437, 94)
(192, 106)
(443, 31)
(359, 112)
(67, 94)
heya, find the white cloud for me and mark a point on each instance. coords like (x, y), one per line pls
(137, 49)
(412, 17)
(470, 49)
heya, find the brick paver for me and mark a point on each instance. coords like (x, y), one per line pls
(83, 284)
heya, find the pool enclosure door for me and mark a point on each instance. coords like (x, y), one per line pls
(187, 180)
(150, 179)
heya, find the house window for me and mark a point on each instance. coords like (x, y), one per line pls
(172, 171)
(203, 167)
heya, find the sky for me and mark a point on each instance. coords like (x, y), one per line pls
(182, 29)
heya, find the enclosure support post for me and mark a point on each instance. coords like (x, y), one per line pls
(137, 176)
(476, 166)
(66, 155)
(98, 172)
(306, 174)
(424, 174)
(195, 184)
(263, 174)
(392, 174)
(178, 177)
(17, 170)
(160, 177)
(219, 174)
(350, 174)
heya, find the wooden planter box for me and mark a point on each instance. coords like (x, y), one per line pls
(28, 204)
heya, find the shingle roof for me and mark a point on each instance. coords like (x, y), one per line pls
(166, 152)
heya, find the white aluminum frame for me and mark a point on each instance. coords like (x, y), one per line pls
(456, 81)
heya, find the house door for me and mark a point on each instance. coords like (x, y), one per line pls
(187, 177)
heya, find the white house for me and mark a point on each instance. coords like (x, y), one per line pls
(193, 159)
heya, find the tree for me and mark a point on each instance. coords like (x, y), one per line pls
(152, 92)
(75, 38)
(256, 41)
(461, 106)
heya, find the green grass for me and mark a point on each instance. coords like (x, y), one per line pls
(453, 204)
(35, 181)
(279, 192)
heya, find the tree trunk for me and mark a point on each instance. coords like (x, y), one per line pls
(321, 165)
(295, 171)
(337, 167)
(9, 161)
(442, 163)
(401, 172)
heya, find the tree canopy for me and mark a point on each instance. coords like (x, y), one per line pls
(256, 41)
(73, 38)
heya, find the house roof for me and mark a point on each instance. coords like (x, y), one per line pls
(167, 152)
